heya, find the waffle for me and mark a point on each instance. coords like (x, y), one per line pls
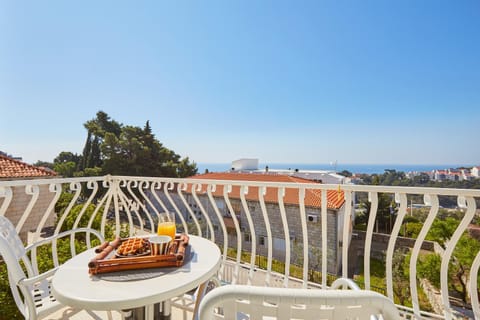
(133, 246)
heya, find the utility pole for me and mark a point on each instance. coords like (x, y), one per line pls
(334, 164)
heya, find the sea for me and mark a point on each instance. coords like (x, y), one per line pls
(339, 167)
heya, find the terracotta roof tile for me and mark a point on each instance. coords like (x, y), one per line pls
(11, 168)
(335, 198)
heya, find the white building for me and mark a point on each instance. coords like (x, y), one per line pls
(245, 165)
(455, 174)
(321, 176)
(476, 172)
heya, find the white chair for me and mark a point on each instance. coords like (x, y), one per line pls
(249, 302)
(31, 290)
(189, 302)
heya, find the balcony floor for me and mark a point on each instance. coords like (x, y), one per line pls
(70, 314)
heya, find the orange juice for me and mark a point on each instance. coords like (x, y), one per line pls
(167, 229)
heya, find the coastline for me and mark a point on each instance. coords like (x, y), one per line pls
(353, 168)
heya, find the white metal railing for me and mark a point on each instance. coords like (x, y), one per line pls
(224, 212)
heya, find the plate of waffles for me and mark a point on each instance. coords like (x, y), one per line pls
(133, 247)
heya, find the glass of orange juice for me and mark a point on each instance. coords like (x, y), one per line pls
(166, 225)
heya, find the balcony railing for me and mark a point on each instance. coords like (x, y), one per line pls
(270, 238)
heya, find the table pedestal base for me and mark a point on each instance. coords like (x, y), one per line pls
(161, 311)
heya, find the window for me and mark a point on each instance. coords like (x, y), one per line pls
(237, 207)
(247, 237)
(220, 204)
(261, 240)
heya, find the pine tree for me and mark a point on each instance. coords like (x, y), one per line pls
(129, 150)
(86, 151)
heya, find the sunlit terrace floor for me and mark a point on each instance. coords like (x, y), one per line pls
(68, 313)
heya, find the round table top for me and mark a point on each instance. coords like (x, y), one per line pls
(74, 286)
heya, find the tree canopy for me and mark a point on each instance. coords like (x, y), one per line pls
(114, 148)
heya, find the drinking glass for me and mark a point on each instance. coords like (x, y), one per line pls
(166, 225)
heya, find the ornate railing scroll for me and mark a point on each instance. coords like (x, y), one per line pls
(286, 233)
(227, 189)
(400, 198)
(373, 199)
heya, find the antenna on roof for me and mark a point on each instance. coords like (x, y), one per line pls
(334, 164)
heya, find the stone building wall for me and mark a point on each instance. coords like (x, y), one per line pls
(19, 204)
(277, 231)
(293, 221)
(276, 225)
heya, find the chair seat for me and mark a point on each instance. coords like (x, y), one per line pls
(44, 301)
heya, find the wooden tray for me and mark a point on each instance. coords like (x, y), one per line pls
(174, 258)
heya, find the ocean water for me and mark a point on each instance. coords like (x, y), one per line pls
(353, 168)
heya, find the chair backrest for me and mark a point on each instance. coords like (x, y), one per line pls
(30, 288)
(11, 249)
(248, 302)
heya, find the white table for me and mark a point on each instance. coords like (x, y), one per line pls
(74, 286)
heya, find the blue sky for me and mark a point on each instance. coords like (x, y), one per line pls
(394, 82)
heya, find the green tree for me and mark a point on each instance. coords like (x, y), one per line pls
(96, 130)
(462, 257)
(401, 287)
(65, 169)
(392, 177)
(45, 164)
(345, 173)
(385, 213)
(136, 152)
(93, 172)
(121, 153)
(112, 148)
(421, 179)
(411, 229)
(185, 168)
(429, 268)
(66, 156)
(84, 220)
(442, 230)
(459, 270)
(8, 308)
(86, 151)
(94, 157)
(62, 203)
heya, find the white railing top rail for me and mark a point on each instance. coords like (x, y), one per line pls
(319, 186)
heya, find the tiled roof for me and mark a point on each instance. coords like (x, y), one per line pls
(11, 168)
(335, 198)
